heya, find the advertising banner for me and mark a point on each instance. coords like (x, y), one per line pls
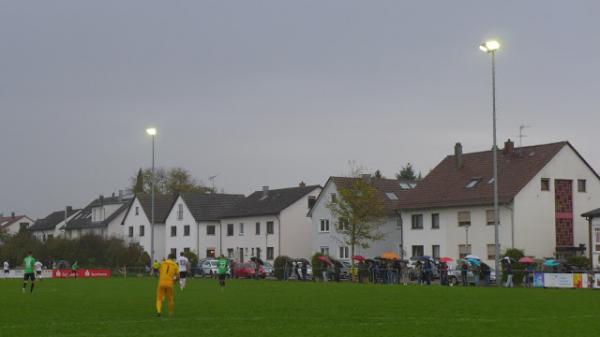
(558, 280)
(18, 273)
(538, 280)
(81, 273)
(596, 281)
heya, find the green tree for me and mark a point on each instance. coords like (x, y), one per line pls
(139, 183)
(359, 212)
(167, 181)
(407, 173)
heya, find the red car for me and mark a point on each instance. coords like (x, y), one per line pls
(248, 270)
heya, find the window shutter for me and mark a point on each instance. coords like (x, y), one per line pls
(464, 217)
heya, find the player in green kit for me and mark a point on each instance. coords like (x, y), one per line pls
(222, 270)
(28, 265)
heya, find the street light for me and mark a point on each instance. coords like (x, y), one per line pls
(491, 47)
(152, 132)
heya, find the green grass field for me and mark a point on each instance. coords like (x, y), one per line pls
(125, 307)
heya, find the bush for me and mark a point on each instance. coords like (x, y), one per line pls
(580, 262)
(91, 251)
(518, 268)
(280, 264)
(193, 258)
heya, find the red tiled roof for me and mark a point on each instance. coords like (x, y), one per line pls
(9, 220)
(446, 185)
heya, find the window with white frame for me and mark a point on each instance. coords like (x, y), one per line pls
(343, 224)
(142, 231)
(270, 253)
(464, 250)
(333, 198)
(186, 230)
(324, 226)
(417, 221)
(210, 230)
(435, 251)
(241, 228)
(230, 229)
(325, 250)
(418, 250)
(435, 221)
(258, 228)
(137, 210)
(490, 217)
(130, 231)
(270, 227)
(491, 251)
(464, 218)
(344, 252)
(597, 236)
(180, 212)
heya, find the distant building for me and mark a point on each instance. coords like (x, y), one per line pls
(269, 223)
(48, 227)
(14, 223)
(193, 223)
(103, 216)
(326, 235)
(541, 188)
(593, 218)
(136, 225)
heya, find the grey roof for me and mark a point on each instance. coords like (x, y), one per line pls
(275, 201)
(83, 220)
(50, 222)
(592, 214)
(162, 206)
(210, 206)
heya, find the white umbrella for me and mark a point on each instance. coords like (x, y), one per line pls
(472, 257)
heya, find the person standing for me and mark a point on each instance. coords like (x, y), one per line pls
(464, 273)
(427, 271)
(183, 263)
(6, 269)
(155, 267)
(38, 269)
(74, 268)
(28, 265)
(222, 265)
(509, 275)
(304, 270)
(444, 274)
(167, 274)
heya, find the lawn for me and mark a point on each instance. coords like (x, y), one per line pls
(125, 307)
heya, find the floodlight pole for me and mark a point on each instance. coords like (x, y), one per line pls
(495, 169)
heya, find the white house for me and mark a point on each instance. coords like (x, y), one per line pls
(48, 227)
(103, 217)
(138, 217)
(192, 223)
(450, 212)
(14, 223)
(326, 238)
(270, 223)
(593, 218)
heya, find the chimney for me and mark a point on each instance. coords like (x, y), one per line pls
(120, 195)
(509, 147)
(69, 209)
(12, 214)
(265, 191)
(458, 160)
(366, 178)
(302, 184)
(101, 198)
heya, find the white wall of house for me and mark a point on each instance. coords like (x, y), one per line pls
(296, 228)
(114, 227)
(534, 209)
(131, 229)
(16, 226)
(245, 244)
(332, 240)
(596, 242)
(180, 241)
(205, 241)
(450, 235)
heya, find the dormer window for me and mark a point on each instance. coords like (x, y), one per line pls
(391, 195)
(407, 186)
(473, 182)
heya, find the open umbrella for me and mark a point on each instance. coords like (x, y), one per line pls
(475, 262)
(358, 258)
(551, 263)
(526, 260)
(508, 259)
(325, 259)
(390, 256)
(446, 259)
(472, 257)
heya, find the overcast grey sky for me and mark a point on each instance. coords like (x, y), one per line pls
(274, 92)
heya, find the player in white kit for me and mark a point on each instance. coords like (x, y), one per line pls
(38, 269)
(183, 263)
(6, 269)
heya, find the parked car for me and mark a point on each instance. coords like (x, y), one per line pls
(268, 267)
(455, 277)
(207, 267)
(247, 270)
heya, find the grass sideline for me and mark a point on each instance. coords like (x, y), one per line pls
(125, 307)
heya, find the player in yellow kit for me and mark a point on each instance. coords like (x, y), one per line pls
(168, 272)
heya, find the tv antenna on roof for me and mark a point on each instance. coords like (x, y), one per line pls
(212, 180)
(522, 127)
